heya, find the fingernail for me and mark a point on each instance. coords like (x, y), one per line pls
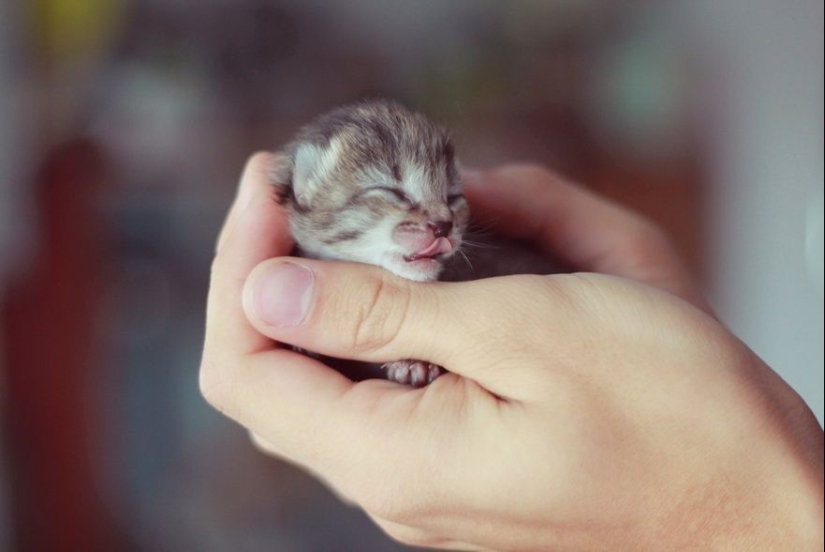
(283, 294)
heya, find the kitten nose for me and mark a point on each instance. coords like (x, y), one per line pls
(440, 228)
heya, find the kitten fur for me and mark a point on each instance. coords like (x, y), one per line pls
(377, 183)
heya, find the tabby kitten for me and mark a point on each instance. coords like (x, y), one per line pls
(377, 183)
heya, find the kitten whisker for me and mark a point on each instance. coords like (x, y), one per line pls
(382, 146)
(478, 245)
(466, 259)
(482, 229)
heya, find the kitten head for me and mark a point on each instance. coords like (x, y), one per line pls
(375, 183)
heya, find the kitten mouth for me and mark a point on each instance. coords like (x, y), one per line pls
(438, 248)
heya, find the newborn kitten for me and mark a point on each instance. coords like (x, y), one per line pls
(376, 183)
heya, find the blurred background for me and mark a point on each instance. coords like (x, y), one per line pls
(124, 126)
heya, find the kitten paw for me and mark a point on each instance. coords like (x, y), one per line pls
(417, 373)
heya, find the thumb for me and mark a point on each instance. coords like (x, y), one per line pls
(361, 312)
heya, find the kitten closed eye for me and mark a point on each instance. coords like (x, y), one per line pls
(394, 192)
(376, 183)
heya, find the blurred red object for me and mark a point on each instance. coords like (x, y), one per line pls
(49, 316)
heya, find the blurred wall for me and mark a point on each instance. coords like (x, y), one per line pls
(16, 155)
(765, 198)
(137, 116)
(12, 150)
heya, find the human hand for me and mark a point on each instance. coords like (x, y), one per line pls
(606, 411)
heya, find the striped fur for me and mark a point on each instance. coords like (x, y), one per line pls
(358, 175)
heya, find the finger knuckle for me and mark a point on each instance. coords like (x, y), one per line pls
(379, 316)
(395, 506)
(216, 265)
(531, 172)
(652, 234)
(212, 386)
(398, 533)
(260, 161)
(646, 241)
(409, 536)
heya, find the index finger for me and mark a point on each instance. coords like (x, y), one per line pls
(256, 228)
(589, 232)
(245, 374)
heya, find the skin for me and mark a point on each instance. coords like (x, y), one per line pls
(607, 409)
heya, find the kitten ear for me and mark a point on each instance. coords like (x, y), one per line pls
(280, 175)
(455, 170)
(313, 165)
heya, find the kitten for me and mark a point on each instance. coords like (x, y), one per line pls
(377, 183)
